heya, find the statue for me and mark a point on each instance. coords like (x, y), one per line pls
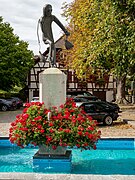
(47, 35)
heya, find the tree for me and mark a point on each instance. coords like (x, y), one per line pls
(15, 58)
(103, 34)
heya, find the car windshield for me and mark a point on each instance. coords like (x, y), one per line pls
(87, 94)
(76, 99)
(35, 99)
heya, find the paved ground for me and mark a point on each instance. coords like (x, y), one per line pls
(120, 128)
(123, 127)
(5, 119)
(34, 176)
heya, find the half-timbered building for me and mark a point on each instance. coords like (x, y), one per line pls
(105, 91)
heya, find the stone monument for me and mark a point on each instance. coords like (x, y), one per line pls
(52, 91)
(52, 87)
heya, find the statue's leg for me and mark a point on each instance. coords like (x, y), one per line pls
(54, 55)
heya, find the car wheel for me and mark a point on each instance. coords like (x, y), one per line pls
(4, 108)
(108, 120)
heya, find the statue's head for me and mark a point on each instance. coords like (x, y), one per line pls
(47, 10)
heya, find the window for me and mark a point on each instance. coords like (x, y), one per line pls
(89, 108)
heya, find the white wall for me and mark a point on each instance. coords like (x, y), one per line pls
(109, 96)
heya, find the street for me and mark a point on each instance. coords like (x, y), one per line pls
(6, 118)
(119, 128)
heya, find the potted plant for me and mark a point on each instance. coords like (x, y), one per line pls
(67, 125)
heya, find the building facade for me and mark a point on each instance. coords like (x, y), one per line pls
(105, 90)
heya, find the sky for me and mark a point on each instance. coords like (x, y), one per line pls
(23, 17)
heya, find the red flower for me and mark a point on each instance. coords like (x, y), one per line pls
(49, 139)
(85, 144)
(33, 122)
(94, 147)
(34, 143)
(18, 116)
(25, 110)
(42, 131)
(67, 130)
(80, 128)
(39, 127)
(13, 124)
(60, 129)
(61, 106)
(68, 126)
(78, 145)
(80, 133)
(90, 128)
(51, 124)
(38, 118)
(54, 147)
(90, 136)
(51, 130)
(25, 116)
(24, 129)
(27, 104)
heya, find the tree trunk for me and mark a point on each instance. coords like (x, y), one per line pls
(120, 96)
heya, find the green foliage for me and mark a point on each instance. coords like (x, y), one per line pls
(15, 58)
(103, 34)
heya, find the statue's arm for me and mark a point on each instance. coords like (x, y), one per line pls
(41, 24)
(60, 25)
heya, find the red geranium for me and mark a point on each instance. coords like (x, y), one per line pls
(67, 126)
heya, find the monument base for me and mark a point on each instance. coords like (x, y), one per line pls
(52, 163)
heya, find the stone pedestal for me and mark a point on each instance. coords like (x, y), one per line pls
(52, 163)
(45, 150)
(52, 91)
(52, 87)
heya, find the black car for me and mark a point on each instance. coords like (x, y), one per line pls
(90, 97)
(80, 99)
(19, 102)
(7, 104)
(100, 111)
(115, 106)
(82, 94)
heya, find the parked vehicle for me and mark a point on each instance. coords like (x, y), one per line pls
(85, 94)
(100, 111)
(7, 104)
(80, 99)
(19, 102)
(112, 104)
(106, 103)
(35, 99)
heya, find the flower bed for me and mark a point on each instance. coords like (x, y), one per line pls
(67, 126)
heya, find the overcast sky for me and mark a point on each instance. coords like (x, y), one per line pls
(23, 16)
